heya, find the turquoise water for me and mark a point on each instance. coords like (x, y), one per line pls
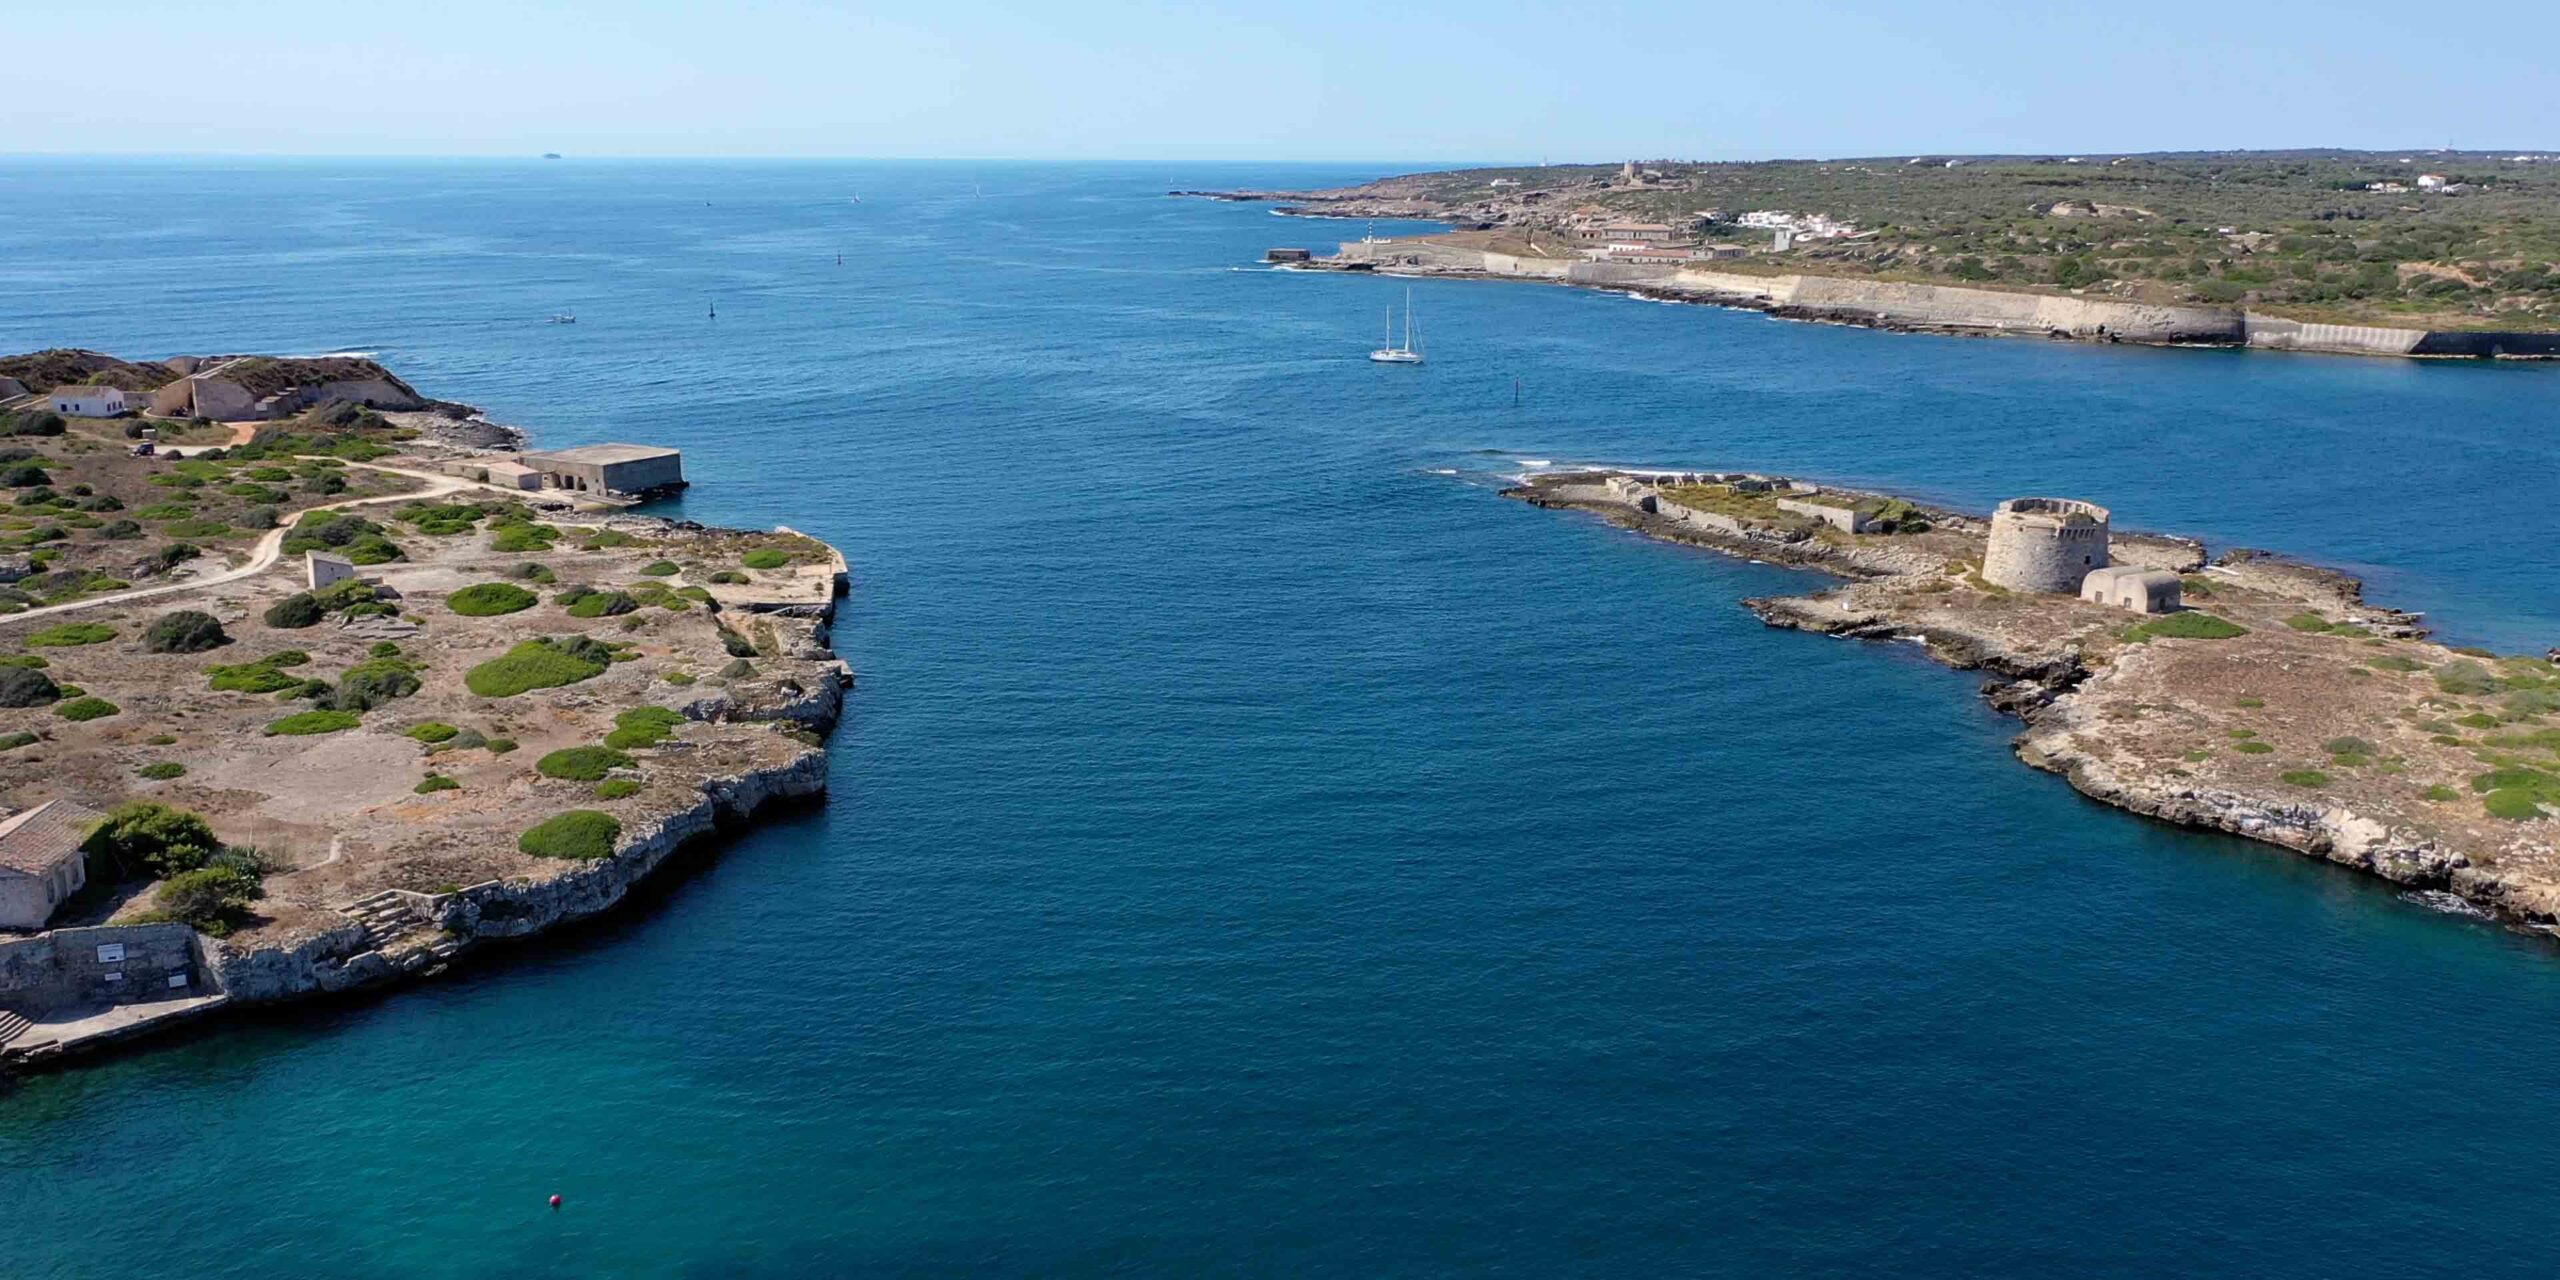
(1255, 851)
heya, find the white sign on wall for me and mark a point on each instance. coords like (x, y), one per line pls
(115, 975)
(110, 952)
(177, 979)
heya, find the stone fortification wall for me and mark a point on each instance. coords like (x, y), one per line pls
(74, 968)
(2369, 340)
(2045, 544)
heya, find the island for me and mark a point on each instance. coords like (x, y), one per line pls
(2245, 692)
(2423, 253)
(311, 683)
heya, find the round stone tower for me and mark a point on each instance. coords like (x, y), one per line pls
(2045, 544)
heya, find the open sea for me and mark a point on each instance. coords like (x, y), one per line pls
(1257, 849)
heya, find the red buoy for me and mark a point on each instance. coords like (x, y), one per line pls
(555, 1202)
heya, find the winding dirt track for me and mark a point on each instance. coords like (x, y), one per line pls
(269, 548)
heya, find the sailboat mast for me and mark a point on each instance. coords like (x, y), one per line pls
(1408, 318)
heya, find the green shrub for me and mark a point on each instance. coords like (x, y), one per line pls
(2253, 749)
(27, 687)
(543, 663)
(609, 538)
(2306, 777)
(24, 475)
(293, 612)
(581, 764)
(120, 531)
(764, 558)
(501, 746)
(434, 731)
(435, 782)
(2441, 793)
(373, 682)
(617, 788)
(642, 727)
(535, 573)
(519, 538)
(2241, 733)
(2477, 720)
(305, 723)
(71, 633)
(587, 602)
(2466, 678)
(141, 837)
(738, 669)
(265, 675)
(489, 599)
(2394, 662)
(185, 631)
(729, 577)
(13, 741)
(162, 770)
(31, 661)
(680, 679)
(195, 529)
(581, 834)
(660, 568)
(2349, 746)
(2189, 624)
(2514, 805)
(735, 645)
(211, 899)
(86, 709)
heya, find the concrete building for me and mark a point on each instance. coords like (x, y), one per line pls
(321, 569)
(1844, 514)
(2431, 182)
(89, 402)
(610, 468)
(2127, 586)
(11, 388)
(2045, 544)
(512, 475)
(40, 861)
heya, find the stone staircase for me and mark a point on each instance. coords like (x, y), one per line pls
(389, 922)
(11, 1027)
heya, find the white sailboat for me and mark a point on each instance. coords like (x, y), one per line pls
(1391, 353)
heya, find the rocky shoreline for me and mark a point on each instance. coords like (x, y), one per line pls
(2146, 724)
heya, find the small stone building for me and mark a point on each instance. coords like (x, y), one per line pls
(637, 469)
(40, 861)
(1845, 514)
(2127, 586)
(321, 569)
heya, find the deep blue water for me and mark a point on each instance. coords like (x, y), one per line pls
(1254, 851)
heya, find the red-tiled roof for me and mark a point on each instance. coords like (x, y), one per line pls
(36, 841)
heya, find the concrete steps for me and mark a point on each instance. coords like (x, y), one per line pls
(12, 1026)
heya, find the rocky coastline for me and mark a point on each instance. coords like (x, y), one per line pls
(2153, 724)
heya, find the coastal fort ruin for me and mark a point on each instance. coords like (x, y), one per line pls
(2045, 544)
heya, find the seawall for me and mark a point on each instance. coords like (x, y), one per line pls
(1939, 308)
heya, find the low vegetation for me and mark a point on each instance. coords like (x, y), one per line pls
(305, 723)
(543, 663)
(580, 834)
(489, 599)
(185, 631)
(581, 764)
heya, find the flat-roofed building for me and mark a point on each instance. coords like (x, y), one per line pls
(637, 469)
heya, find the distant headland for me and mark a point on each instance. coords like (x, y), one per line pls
(2423, 253)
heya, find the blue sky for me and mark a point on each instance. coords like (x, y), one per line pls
(1377, 80)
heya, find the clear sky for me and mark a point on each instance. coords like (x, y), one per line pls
(1354, 80)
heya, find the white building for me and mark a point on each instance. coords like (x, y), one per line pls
(89, 402)
(40, 861)
(2431, 182)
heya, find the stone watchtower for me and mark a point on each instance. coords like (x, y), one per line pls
(2045, 544)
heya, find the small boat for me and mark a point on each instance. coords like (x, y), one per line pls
(565, 317)
(1391, 353)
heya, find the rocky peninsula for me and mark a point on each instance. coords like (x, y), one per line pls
(379, 713)
(2244, 692)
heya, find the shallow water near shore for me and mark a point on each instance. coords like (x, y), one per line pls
(1254, 850)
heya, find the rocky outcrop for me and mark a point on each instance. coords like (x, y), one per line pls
(343, 958)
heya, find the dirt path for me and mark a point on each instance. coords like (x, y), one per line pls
(268, 549)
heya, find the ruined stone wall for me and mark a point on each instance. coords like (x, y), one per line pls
(2034, 548)
(2274, 334)
(66, 968)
